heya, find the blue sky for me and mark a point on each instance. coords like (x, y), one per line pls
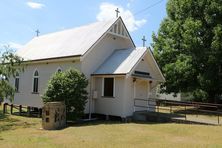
(20, 18)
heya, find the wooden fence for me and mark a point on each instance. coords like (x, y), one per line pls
(22, 110)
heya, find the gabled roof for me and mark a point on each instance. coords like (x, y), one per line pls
(121, 61)
(72, 42)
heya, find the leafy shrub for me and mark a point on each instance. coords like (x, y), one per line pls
(70, 87)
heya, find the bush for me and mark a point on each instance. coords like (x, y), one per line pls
(70, 87)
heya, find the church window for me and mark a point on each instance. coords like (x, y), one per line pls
(108, 87)
(17, 82)
(59, 69)
(36, 81)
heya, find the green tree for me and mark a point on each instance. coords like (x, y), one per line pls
(9, 65)
(70, 87)
(188, 48)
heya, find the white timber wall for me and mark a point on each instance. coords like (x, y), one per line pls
(102, 51)
(46, 70)
(110, 105)
(98, 54)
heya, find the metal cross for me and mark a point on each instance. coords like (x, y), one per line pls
(117, 12)
(37, 32)
(144, 41)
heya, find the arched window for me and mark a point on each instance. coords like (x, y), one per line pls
(17, 82)
(59, 69)
(36, 81)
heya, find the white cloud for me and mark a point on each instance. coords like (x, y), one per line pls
(35, 5)
(107, 11)
(11, 46)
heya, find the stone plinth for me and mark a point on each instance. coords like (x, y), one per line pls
(54, 116)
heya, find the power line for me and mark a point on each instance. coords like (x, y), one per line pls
(150, 6)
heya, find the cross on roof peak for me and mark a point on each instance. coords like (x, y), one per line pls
(144, 41)
(37, 32)
(117, 12)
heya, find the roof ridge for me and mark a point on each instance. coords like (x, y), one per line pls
(73, 28)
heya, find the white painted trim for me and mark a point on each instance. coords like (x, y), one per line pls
(56, 60)
(149, 50)
(114, 87)
(134, 90)
(105, 33)
(156, 65)
(102, 86)
(119, 35)
(59, 68)
(148, 89)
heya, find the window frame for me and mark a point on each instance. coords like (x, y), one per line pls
(59, 68)
(17, 77)
(103, 87)
(33, 82)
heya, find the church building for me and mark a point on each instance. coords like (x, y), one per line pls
(117, 70)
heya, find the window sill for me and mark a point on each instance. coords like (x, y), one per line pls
(108, 97)
(35, 92)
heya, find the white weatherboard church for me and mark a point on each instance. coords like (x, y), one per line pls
(118, 72)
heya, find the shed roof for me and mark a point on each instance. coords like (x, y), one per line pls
(121, 61)
(71, 42)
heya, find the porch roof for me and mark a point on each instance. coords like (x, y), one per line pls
(121, 61)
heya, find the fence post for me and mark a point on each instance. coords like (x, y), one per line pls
(11, 109)
(28, 110)
(39, 112)
(5, 108)
(170, 109)
(158, 107)
(147, 105)
(185, 112)
(197, 110)
(20, 110)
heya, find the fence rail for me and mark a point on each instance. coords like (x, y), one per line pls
(22, 110)
(196, 108)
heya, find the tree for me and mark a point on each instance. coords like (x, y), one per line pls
(188, 48)
(70, 87)
(9, 65)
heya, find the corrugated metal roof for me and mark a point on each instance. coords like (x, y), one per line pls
(64, 43)
(121, 61)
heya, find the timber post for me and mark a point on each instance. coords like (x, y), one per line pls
(20, 110)
(5, 107)
(28, 110)
(11, 109)
(39, 112)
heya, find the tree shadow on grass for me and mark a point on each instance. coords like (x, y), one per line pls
(93, 123)
(9, 123)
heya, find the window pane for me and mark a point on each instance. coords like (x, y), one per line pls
(108, 87)
(36, 73)
(35, 85)
(16, 84)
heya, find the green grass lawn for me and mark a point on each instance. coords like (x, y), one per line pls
(20, 132)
